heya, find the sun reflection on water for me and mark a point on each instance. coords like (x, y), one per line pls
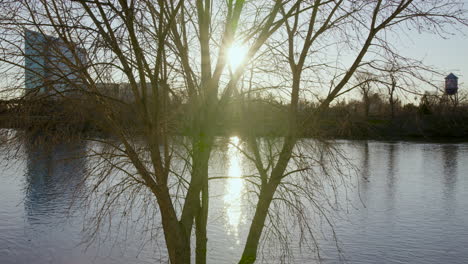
(233, 188)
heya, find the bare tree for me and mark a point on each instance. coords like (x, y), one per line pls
(155, 48)
(315, 27)
(159, 52)
(365, 80)
(403, 75)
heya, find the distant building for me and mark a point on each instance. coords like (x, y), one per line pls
(51, 65)
(54, 67)
(126, 94)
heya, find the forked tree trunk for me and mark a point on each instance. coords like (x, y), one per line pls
(177, 241)
(196, 207)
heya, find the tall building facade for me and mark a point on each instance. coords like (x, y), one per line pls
(51, 66)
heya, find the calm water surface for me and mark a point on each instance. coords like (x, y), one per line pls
(409, 205)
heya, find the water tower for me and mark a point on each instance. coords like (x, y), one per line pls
(451, 84)
(451, 87)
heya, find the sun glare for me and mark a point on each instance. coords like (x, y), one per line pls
(236, 55)
(235, 185)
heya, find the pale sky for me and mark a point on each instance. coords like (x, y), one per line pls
(448, 55)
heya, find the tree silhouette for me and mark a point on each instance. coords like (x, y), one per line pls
(169, 58)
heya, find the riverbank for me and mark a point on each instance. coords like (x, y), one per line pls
(415, 127)
(259, 119)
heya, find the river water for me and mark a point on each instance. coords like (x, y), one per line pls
(408, 203)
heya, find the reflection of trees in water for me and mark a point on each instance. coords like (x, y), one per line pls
(54, 171)
(391, 165)
(365, 170)
(450, 165)
(388, 164)
(391, 179)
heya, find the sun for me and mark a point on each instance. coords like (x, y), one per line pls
(235, 55)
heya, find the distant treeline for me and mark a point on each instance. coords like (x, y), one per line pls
(371, 118)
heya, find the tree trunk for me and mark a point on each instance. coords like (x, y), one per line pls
(177, 241)
(392, 109)
(392, 99)
(366, 107)
(194, 208)
(202, 216)
(266, 196)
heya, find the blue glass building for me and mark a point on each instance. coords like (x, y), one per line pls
(51, 65)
